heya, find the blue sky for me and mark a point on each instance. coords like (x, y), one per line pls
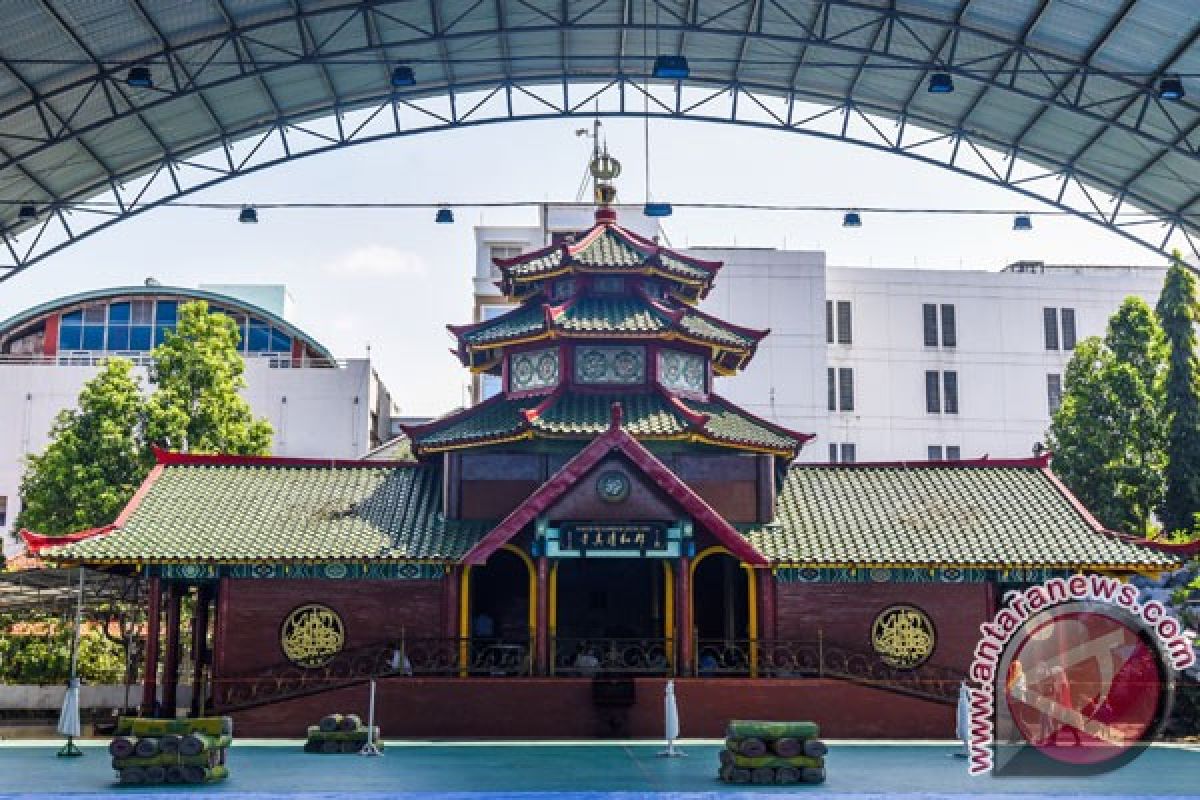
(393, 279)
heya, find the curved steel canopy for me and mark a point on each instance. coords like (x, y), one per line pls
(1056, 99)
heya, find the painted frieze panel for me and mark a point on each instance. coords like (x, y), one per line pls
(610, 365)
(682, 372)
(533, 369)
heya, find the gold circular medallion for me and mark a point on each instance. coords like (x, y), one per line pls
(312, 635)
(903, 636)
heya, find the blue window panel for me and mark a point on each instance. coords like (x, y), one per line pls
(118, 338)
(73, 318)
(160, 333)
(70, 337)
(139, 337)
(260, 339)
(118, 312)
(93, 337)
(168, 312)
(280, 342)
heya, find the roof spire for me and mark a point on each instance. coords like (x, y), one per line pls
(604, 170)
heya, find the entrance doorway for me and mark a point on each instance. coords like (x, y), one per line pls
(610, 616)
(500, 623)
(720, 614)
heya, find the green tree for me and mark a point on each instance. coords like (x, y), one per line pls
(196, 407)
(93, 463)
(1108, 436)
(1178, 313)
(35, 648)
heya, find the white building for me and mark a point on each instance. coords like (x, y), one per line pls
(318, 406)
(882, 364)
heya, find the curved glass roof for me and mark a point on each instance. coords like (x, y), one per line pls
(1062, 100)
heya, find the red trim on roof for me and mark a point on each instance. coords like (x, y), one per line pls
(803, 438)
(505, 263)
(614, 439)
(35, 543)
(1037, 462)
(673, 314)
(172, 459)
(695, 418)
(531, 414)
(141, 492)
(1070, 497)
(655, 248)
(756, 335)
(414, 431)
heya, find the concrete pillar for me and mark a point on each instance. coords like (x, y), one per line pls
(171, 656)
(542, 618)
(150, 672)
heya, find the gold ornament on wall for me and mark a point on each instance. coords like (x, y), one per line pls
(312, 635)
(903, 636)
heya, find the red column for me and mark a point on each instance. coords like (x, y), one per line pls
(171, 660)
(683, 614)
(766, 604)
(450, 585)
(150, 674)
(542, 627)
(200, 654)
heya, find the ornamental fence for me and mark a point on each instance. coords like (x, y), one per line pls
(577, 657)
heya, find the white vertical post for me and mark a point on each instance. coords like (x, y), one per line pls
(370, 748)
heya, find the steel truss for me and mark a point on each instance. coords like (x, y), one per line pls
(731, 91)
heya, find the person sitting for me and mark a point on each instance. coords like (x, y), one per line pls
(485, 627)
(586, 661)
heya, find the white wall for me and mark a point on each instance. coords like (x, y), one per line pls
(315, 412)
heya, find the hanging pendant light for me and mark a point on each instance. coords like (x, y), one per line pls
(941, 83)
(1022, 222)
(445, 216)
(852, 219)
(403, 76)
(139, 77)
(658, 210)
(248, 215)
(674, 68)
(1171, 89)
(28, 211)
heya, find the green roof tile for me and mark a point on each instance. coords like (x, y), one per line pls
(956, 516)
(611, 248)
(224, 513)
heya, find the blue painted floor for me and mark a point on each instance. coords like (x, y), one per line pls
(582, 772)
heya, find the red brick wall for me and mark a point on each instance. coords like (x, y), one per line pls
(562, 708)
(845, 612)
(372, 611)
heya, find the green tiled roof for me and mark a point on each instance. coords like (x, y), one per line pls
(1003, 516)
(585, 415)
(612, 248)
(234, 513)
(395, 449)
(605, 314)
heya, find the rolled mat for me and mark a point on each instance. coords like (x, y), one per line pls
(732, 774)
(738, 760)
(146, 747)
(815, 748)
(195, 743)
(121, 747)
(316, 734)
(752, 746)
(175, 774)
(352, 747)
(787, 775)
(167, 759)
(787, 747)
(156, 774)
(205, 774)
(763, 729)
(330, 722)
(762, 775)
(142, 726)
(812, 775)
(133, 776)
(331, 746)
(350, 722)
(168, 743)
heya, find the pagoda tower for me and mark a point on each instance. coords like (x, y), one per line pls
(607, 318)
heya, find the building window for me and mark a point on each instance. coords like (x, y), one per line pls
(951, 452)
(843, 453)
(839, 325)
(934, 452)
(1068, 328)
(1050, 326)
(941, 392)
(948, 327)
(1051, 318)
(841, 388)
(1053, 392)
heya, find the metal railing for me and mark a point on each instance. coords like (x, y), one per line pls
(142, 358)
(589, 656)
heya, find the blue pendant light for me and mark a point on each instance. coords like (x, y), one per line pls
(1171, 89)
(403, 76)
(139, 77)
(674, 68)
(941, 83)
(445, 216)
(27, 212)
(248, 215)
(852, 219)
(658, 210)
(1022, 222)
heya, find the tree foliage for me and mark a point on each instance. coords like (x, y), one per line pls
(37, 650)
(1108, 434)
(93, 463)
(196, 407)
(100, 452)
(1178, 314)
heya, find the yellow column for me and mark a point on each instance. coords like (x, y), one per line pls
(464, 620)
(752, 618)
(669, 612)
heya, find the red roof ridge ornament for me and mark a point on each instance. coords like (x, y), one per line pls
(606, 216)
(614, 416)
